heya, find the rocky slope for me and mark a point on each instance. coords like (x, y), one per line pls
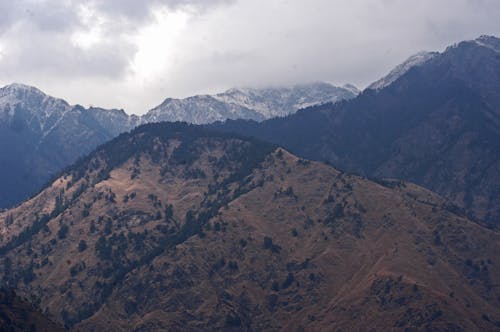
(172, 227)
(437, 125)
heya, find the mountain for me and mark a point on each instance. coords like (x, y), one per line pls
(413, 61)
(437, 125)
(40, 135)
(18, 315)
(199, 110)
(279, 102)
(251, 104)
(173, 227)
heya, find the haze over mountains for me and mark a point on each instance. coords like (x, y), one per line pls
(437, 125)
(172, 227)
(36, 129)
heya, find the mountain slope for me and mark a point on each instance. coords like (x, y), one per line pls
(18, 315)
(413, 61)
(198, 110)
(172, 227)
(437, 125)
(40, 135)
(279, 102)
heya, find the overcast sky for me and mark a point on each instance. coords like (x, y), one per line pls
(132, 54)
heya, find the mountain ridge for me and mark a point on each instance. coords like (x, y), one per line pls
(37, 129)
(172, 226)
(437, 125)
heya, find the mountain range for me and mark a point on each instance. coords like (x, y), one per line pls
(250, 104)
(436, 123)
(40, 135)
(173, 227)
(245, 225)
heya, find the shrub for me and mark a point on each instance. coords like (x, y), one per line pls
(268, 244)
(288, 281)
(82, 245)
(63, 231)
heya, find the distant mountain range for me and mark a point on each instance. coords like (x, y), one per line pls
(40, 135)
(434, 121)
(250, 104)
(175, 228)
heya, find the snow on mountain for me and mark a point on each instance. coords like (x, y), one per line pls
(37, 110)
(282, 101)
(40, 134)
(354, 90)
(248, 103)
(488, 42)
(199, 109)
(113, 120)
(415, 60)
(420, 58)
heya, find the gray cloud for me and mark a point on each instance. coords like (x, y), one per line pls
(221, 43)
(141, 10)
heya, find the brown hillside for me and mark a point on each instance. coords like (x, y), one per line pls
(16, 315)
(258, 239)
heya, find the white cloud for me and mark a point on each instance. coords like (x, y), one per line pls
(132, 54)
(156, 43)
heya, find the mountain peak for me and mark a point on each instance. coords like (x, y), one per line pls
(255, 103)
(491, 42)
(414, 60)
(21, 88)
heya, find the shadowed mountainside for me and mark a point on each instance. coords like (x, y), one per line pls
(437, 125)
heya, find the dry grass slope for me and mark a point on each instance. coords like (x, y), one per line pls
(186, 231)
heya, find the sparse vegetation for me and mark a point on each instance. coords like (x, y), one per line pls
(143, 252)
(82, 245)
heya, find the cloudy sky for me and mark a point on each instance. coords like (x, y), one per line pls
(132, 54)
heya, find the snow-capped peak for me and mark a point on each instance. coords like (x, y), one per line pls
(490, 42)
(415, 60)
(38, 110)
